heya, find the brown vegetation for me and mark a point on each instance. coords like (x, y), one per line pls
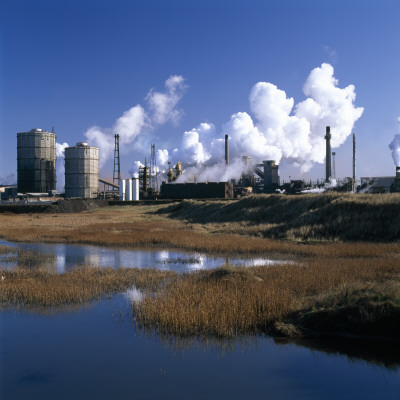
(36, 287)
(285, 300)
(327, 216)
(332, 284)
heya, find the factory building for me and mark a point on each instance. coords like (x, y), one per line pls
(396, 184)
(129, 189)
(36, 161)
(81, 171)
(208, 190)
(271, 176)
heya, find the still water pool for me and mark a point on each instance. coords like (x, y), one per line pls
(96, 352)
(66, 256)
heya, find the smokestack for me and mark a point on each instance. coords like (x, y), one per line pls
(226, 149)
(328, 154)
(354, 188)
(397, 180)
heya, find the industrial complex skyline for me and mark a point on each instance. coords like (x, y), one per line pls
(182, 75)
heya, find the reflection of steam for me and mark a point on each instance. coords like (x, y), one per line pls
(134, 295)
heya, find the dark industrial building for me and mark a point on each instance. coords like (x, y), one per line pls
(36, 161)
(220, 190)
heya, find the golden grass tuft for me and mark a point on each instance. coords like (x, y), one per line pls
(227, 303)
(35, 287)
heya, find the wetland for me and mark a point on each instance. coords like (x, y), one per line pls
(155, 296)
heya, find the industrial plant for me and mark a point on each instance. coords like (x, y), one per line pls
(82, 171)
(36, 161)
(36, 175)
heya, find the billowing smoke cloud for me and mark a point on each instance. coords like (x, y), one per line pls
(137, 120)
(162, 105)
(60, 169)
(395, 147)
(280, 129)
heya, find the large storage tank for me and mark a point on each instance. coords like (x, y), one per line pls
(36, 161)
(81, 171)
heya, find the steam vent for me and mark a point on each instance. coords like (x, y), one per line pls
(81, 171)
(36, 161)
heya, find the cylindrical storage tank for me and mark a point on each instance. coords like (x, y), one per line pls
(135, 189)
(36, 161)
(122, 189)
(128, 190)
(81, 171)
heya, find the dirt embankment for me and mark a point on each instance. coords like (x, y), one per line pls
(329, 216)
(61, 206)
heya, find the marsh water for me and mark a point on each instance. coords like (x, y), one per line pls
(64, 257)
(95, 351)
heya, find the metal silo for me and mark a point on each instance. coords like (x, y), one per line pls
(81, 171)
(36, 161)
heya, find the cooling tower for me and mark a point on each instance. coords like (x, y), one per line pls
(81, 171)
(36, 161)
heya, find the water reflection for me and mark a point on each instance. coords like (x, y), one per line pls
(134, 295)
(375, 352)
(64, 257)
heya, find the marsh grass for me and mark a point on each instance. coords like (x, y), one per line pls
(39, 288)
(327, 216)
(231, 301)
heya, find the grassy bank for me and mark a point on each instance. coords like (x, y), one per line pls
(172, 226)
(338, 296)
(328, 216)
(344, 276)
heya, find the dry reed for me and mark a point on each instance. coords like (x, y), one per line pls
(228, 301)
(35, 287)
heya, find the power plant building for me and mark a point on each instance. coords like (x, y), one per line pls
(36, 161)
(271, 176)
(81, 171)
(221, 190)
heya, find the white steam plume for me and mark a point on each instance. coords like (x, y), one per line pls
(162, 105)
(395, 147)
(136, 120)
(280, 129)
(60, 169)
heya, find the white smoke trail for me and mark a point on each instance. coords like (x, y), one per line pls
(60, 169)
(395, 147)
(136, 120)
(280, 129)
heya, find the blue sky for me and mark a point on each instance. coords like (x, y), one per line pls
(76, 64)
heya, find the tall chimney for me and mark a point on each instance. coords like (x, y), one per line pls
(354, 186)
(328, 154)
(396, 184)
(226, 149)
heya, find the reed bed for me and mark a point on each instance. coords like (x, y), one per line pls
(180, 236)
(39, 288)
(232, 301)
